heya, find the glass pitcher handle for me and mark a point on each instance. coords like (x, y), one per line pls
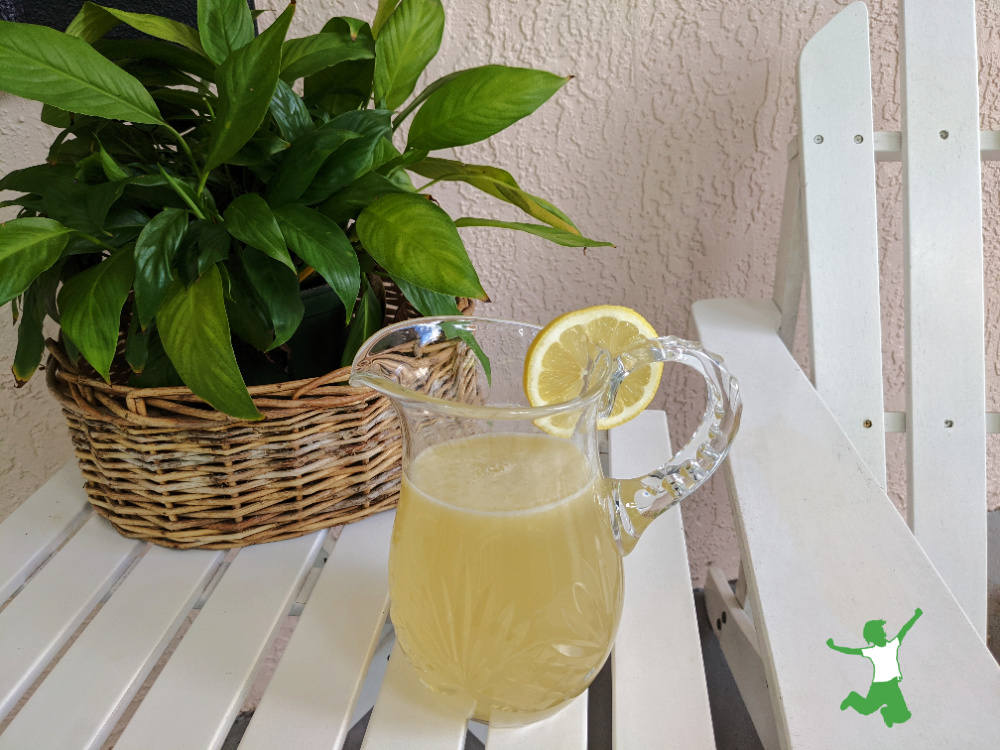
(636, 502)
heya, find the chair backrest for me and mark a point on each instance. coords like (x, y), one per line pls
(830, 236)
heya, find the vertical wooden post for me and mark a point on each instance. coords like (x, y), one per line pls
(837, 151)
(943, 239)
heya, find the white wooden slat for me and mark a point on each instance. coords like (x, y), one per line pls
(826, 551)
(566, 730)
(790, 268)
(888, 145)
(36, 624)
(96, 679)
(39, 525)
(409, 716)
(943, 286)
(738, 641)
(838, 171)
(659, 696)
(310, 699)
(989, 145)
(895, 421)
(194, 700)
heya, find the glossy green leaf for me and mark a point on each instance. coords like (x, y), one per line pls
(35, 179)
(91, 23)
(30, 202)
(552, 209)
(301, 163)
(409, 40)
(246, 311)
(47, 285)
(102, 197)
(128, 143)
(30, 337)
(166, 53)
(249, 219)
(422, 97)
(64, 71)
(124, 223)
(367, 322)
(66, 202)
(416, 240)
(355, 26)
(246, 82)
(257, 151)
(308, 55)
(81, 206)
(278, 289)
(112, 169)
(195, 333)
(324, 246)
(425, 301)
(57, 118)
(27, 248)
(155, 250)
(348, 85)
(212, 242)
(354, 158)
(137, 345)
(224, 27)
(158, 371)
(558, 236)
(399, 161)
(349, 202)
(193, 103)
(290, 113)
(155, 26)
(382, 14)
(497, 182)
(72, 350)
(204, 244)
(478, 103)
(385, 152)
(90, 305)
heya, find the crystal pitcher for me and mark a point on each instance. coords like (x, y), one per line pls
(505, 568)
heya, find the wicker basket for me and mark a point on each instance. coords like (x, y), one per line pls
(164, 467)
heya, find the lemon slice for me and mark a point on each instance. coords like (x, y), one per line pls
(558, 360)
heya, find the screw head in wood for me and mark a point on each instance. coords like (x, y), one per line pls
(859, 138)
(944, 135)
(818, 139)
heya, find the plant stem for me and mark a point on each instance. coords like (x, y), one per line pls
(201, 183)
(99, 243)
(429, 184)
(184, 196)
(184, 147)
(193, 206)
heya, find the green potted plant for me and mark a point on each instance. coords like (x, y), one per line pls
(194, 203)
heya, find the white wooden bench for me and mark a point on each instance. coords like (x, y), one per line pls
(822, 546)
(59, 562)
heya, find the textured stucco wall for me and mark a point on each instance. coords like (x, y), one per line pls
(670, 142)
(33, 438)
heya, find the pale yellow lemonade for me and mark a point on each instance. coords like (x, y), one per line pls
(505, 580)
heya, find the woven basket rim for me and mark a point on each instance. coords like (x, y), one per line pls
(179, 407)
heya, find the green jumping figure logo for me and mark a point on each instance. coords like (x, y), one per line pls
(884, 692)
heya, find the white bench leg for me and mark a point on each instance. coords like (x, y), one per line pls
(734, 628)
